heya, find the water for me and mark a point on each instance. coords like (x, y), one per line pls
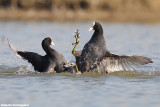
(19, 84)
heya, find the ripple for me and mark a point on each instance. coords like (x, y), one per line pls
(20, 83)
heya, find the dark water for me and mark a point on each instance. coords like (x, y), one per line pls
(19, 84)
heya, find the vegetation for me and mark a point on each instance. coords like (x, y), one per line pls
(81, 10)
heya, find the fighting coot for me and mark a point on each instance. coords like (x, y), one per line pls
(51, 62)
(96, 56)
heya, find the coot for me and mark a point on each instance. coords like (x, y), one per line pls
(95, 56)
(51, 62)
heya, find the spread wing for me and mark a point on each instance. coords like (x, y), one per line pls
(112, 62)
(35, 59)
(31, 57)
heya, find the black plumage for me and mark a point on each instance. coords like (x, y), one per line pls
(51, 62)
(96, 56)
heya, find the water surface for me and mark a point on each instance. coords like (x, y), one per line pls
(20, 84)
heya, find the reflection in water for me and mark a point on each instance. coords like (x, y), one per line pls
(19, 83)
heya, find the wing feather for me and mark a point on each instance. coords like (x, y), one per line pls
(35, 59)
(113, 62)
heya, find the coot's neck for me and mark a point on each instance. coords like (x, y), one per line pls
(98, 35)
(47, 48)
(99, 31)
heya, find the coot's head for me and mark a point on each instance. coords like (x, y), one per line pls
(46, 44)
(47, 41)
(97, 27)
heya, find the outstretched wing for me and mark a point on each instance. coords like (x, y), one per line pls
(33, 58)
(112, 62)
(13, 49)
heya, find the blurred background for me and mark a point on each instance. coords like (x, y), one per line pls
(81, 10)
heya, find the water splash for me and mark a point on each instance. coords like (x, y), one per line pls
(23, 70)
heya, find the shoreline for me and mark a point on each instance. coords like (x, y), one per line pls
(78, 15)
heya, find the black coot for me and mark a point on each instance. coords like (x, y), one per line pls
(96, 56)
(51, 62)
